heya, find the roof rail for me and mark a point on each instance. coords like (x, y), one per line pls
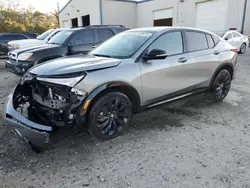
(105, 26)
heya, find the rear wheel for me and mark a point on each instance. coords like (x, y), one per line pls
(221, 86)
(110, 116)
(243, 49)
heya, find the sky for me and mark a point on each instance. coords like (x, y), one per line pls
(43, 5)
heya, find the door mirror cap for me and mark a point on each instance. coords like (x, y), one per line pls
(226, 38)
(155, 54)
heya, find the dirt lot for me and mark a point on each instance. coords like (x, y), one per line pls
(189, 143)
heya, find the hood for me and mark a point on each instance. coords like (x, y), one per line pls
(27, 42)
(73, 64)
(36, 48)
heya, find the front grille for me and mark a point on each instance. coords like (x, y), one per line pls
(12, 55)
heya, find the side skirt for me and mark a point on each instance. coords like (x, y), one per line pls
(170, 98)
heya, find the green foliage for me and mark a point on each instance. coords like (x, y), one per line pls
(14, 19)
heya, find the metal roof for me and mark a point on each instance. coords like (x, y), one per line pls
(131, 1)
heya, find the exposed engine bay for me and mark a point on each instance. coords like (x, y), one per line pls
(47, 103)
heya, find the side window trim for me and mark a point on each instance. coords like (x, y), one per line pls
(212, 40)
(187, 30)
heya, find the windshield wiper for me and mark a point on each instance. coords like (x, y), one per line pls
(100, 55)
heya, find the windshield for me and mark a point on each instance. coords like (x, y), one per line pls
(60, 37)
(123, 45)
(45, 34)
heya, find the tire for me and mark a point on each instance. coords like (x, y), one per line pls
(110, 115)
(243, 48)
(220, 87)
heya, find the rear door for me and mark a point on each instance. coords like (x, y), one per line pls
(204, 58)
(82, 42)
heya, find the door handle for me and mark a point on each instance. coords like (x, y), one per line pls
(94, 46)
(216, 52)
(182, 60)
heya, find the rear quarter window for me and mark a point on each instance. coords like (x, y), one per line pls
(216, 39)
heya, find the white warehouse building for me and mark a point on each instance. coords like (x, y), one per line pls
(213, 15)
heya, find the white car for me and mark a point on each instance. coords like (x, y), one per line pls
(40, 40)
(236, 39)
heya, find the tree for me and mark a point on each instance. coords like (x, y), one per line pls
(15, 18)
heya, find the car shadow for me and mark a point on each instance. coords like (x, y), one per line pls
(74, 144)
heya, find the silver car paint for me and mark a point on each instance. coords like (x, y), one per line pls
(157, 78)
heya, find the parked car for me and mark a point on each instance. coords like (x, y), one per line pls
(40, 40)
(236, 39)
(67, 42)
(135, 70)
(6, 37)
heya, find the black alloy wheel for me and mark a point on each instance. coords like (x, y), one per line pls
(243, 48)
(110, 116)
(221, 86)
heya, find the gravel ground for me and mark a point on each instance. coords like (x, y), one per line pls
(189, 143)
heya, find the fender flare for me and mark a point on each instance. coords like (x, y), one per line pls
(107, 87)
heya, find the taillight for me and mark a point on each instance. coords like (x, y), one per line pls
(234, 50)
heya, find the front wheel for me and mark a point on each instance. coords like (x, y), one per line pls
(110, 116)
(220, 86)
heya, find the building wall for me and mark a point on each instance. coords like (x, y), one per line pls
(247, 20)
(79, 8)
(184, 13)
(120, 13)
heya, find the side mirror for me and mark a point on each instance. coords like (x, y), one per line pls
(155, 54)
(226, 38)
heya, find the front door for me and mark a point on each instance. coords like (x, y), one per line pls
(163, 77)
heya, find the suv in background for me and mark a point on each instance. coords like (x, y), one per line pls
(135, 70)
(6, 37)
(40, 40)
(66, 42)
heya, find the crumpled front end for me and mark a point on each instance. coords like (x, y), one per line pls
(37, 108)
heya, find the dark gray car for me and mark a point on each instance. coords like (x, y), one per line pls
(135, 70)
(66, 42)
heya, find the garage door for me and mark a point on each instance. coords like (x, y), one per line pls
(163, 17)
(212, 15)
(65, 24)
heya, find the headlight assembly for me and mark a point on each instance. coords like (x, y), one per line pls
(24, 56)
(71, 82)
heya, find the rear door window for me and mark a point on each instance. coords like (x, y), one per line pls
(236, 34)
(210, 41)
(104, 34)
(196, 41)
(83, 37)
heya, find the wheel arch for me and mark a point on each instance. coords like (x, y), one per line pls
(115, 86)
(227, 66)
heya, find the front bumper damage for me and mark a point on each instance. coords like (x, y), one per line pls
(35, 110)
(32, 132)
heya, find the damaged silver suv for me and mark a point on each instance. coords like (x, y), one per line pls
(134, 70)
